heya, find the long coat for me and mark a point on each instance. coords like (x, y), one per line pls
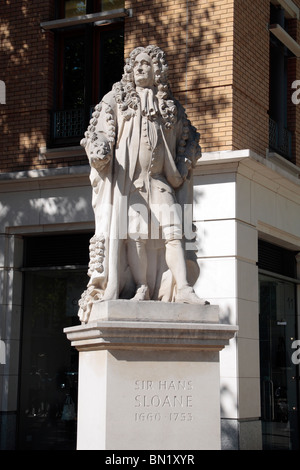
(112, 183)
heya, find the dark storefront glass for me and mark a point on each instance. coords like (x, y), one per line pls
(279, 374)
(279, 380)
(48, 362)
(48, 397)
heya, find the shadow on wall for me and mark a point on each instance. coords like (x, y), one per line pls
(228, 399)
(190, 42)
(38, 210)
(229, 427)
(2, 92)
(24, 68)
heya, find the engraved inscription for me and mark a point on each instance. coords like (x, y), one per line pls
(170, 400)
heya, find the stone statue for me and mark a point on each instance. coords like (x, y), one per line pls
(142, 150)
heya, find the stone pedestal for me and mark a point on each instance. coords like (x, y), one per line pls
(149, 376)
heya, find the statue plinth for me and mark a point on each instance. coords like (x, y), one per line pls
(149, 376)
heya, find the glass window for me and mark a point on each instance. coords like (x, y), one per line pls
(71, 8)
(55, 276)
(89, 59)
(277, 331)
(112, 51)
(280, 136)
(73, 71)
(279, 380)
(74, 8)
(48, 394)
(112, 4)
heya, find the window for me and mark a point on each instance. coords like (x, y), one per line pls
(280, 134)
(71, 8)
(89, 59)
(112, 4)
(74, 8)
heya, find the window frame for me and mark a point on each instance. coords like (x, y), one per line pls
(280, 134)
(93, 78)
(93, 15)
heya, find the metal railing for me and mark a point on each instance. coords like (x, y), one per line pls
(70, 123)
(280, 139)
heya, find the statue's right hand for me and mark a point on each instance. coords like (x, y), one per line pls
(99, 163)
(100, 155)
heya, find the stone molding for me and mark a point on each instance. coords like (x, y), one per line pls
(150, 325)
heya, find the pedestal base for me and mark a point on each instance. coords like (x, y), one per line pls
(148, 384)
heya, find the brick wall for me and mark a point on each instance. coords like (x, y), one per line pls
(218, 55)
(197, 37)
(251, 75)
(218, 52)
(26, 53)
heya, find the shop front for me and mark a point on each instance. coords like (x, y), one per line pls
(53, 281)
(279, 376)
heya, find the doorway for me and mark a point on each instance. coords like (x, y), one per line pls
(54, 277)
(279, 376)
(49, 365)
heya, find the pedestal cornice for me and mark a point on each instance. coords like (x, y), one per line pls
(151, 325)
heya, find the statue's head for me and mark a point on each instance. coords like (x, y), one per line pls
(143, 72)
(145, 66)
(152, 60)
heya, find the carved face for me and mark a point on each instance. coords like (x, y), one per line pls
(143, 71)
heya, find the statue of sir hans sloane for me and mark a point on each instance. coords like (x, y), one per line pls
(141, 150)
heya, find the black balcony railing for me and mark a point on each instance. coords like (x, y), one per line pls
(70, 124)
(280, 139)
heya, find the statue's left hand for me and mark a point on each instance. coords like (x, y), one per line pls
(184, 167)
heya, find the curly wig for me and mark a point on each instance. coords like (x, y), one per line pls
(125, 91)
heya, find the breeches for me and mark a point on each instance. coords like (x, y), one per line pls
(154, 216)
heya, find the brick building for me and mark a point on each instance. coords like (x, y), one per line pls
(234, 65)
